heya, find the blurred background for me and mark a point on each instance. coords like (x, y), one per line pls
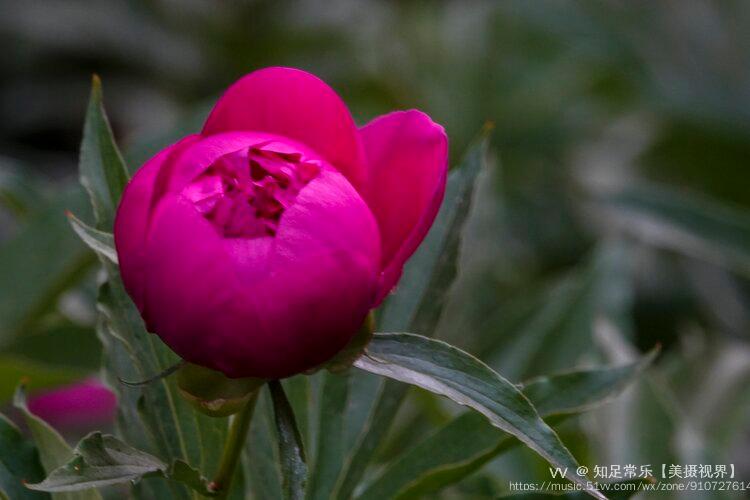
(615, 217)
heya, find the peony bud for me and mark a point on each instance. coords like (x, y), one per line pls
(75, 408)
(257, 247)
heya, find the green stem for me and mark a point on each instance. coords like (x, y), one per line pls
(233, 446)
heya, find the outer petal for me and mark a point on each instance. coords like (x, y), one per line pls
(407, 157)
(78, 407)
(131, 222)
(266, 307)
(295, 104)
(167, 172)
(190, 279)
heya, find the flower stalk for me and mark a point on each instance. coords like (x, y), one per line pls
(238, 429)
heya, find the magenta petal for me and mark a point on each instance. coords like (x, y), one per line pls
(188, 164)
(264, 307)
(78, 407)
(131, 222)
(407, 158)
(295, 104)
(190, 279)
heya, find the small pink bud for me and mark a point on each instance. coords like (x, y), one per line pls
(75, 408)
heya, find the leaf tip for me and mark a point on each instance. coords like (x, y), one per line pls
(652, 354)
(96, 82)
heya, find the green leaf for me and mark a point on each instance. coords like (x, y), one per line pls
(49, 349)
(54, 452)
(291, 451)
(100, 460)
(20, 192)
(299, 390)
(578, 391)
(468, 442)
(19, 463)
(442, 369)
(562, 313)
(41, 261)
(260, 461)
(688, 224)
(102, 170)
(417, 303)
(13, 369)
(453, 446)
(329, 454)
(101, 242)
(190, 476)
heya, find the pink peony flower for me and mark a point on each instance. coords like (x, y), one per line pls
(258, 246)
(78, 407)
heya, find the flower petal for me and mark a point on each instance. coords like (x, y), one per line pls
(189, 278)
(264, 307)
(407, 158)
(295, 104)
(324, 273)
(131, 221)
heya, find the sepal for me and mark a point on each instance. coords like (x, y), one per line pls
(212, 393)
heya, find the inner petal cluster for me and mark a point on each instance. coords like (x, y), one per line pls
(244, 193)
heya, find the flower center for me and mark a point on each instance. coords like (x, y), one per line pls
(244, 193)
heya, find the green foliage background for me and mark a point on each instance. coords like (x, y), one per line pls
(616, 214)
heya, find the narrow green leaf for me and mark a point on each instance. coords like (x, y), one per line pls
(41, 261)
(20, 192)
(688, 224)
(100, 460)
(465, 437)
(41, 375)
(578, 391)
(378, 424)
(299, 390)
(442, 369)
(329, 454)
(291, 451)
(417, 303)
(562, 312)
(101, 242)
(468, 442)
(54, 452)
(19, 463)
(101, 168)
(260, 461)
(48, 347)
